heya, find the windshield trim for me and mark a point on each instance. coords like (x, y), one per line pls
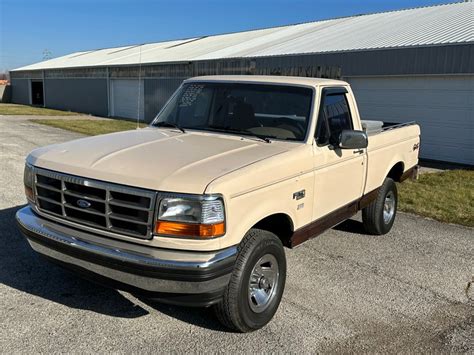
(251, 82)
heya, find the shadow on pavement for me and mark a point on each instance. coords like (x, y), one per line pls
(200, 317)
(23, 269)
(351, 226)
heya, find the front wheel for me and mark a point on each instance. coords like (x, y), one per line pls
(378, 217)
(256, 285)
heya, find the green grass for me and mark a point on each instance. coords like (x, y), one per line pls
(446, 196)
(90, 127)
(14, 109)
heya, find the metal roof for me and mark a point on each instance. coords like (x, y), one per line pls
(418, 27)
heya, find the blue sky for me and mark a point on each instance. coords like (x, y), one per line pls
(29, 27)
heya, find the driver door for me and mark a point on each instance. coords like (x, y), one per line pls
(339, 173)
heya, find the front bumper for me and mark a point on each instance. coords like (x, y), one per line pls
(178, 277)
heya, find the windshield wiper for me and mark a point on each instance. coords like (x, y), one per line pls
(242, 132)
(169, 124)
(263, 138)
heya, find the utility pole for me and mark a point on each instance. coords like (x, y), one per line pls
(47, 54)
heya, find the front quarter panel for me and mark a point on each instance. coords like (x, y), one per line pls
(266, 188)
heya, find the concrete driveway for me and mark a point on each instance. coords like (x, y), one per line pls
(346, 291)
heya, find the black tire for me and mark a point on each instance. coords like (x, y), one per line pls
(373, 214)
(235, 310)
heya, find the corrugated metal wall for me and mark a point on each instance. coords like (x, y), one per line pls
(80, 95)
(157, 92)
(20, 91)
(451, 59)
(443, 106)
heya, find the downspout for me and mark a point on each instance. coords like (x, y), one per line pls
(44, 90)
(109, 113)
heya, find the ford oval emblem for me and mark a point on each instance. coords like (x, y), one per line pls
(83, 203)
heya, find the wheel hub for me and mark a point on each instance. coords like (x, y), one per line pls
(263, 283)
(389, 207)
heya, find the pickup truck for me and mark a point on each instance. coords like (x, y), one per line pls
(196, 208)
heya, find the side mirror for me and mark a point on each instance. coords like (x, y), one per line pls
(351, 139)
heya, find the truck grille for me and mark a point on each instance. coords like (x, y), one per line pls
(105, 206)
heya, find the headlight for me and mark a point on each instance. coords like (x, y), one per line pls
(191, 216)
(28, 177)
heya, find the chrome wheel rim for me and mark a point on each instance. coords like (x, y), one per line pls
(263, 283)
(389, 207)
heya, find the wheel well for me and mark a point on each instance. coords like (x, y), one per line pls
(396, 172)
(279, 224)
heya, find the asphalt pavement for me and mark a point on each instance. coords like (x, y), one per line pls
(346, 291)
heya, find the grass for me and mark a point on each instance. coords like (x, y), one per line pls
(90, 127)
(14, 109)
(447, 196)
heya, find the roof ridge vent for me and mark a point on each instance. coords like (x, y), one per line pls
(125, 49)
(186, 42)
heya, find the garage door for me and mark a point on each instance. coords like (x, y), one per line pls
(442, 105)
(124, 98)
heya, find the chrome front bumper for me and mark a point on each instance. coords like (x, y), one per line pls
(180, 277)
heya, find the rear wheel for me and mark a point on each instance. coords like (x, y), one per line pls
(378, 217)
(257, 283)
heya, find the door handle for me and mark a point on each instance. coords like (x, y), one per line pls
(358, 151)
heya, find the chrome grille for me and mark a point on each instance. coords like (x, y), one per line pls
(105, 206)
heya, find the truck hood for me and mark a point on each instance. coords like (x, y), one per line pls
(157, 159)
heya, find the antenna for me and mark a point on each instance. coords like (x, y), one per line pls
(139, 84)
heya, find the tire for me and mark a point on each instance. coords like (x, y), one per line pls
(238, 309)
(375, 220)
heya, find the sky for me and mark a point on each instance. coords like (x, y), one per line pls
(31, 29)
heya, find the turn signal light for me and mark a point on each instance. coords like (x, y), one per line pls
(190, 229)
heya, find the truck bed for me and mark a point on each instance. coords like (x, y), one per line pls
(392, 143)
(374, 127)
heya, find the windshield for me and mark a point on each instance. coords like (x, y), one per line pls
(270, 111)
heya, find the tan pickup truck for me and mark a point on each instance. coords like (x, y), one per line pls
(196, 209)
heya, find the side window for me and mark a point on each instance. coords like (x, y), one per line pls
(333, 118)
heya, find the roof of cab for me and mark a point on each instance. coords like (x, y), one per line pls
(293, 80)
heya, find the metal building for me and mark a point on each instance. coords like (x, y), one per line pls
(414, 64)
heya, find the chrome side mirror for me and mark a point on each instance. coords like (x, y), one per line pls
(352, 139)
